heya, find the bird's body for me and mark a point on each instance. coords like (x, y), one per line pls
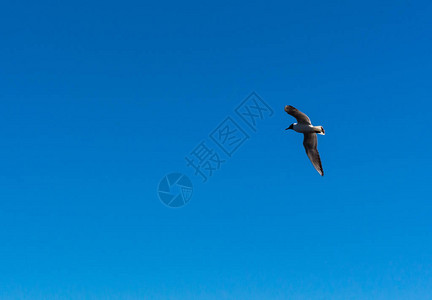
(306, 128)
(310, 141)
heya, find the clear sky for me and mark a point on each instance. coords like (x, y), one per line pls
(100, 100)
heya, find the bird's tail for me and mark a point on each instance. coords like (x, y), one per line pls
(320, 130)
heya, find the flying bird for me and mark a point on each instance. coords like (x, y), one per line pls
(310, 141)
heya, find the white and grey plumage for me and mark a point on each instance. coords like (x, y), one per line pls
(310, 141)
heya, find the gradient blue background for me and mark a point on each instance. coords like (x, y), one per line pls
(99, 100)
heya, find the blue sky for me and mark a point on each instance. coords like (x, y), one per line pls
(99, 100)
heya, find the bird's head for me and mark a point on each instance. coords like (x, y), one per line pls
(290, 127)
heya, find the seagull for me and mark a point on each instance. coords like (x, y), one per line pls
(309, 131)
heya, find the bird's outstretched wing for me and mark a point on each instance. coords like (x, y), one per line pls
(300, 117)
(310, 142)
